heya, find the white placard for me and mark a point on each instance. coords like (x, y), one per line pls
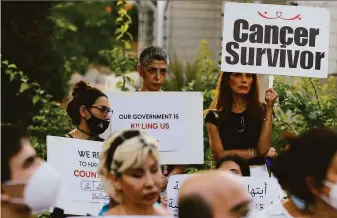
(264, 191)
(175, 119)
(77, 162)
(298, 47)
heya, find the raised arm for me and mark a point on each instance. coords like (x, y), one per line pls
(265, 139)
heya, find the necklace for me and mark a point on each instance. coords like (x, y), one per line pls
(241, 126)
(240, 107)
(82, 131)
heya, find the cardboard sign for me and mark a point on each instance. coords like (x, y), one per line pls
(275, 39)
(175, 119)
(77, 162)
(263, 191)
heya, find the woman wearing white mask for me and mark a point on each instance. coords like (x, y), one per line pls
(28, 184)
(130, 173)
(307, 171)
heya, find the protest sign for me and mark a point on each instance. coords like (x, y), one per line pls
(263, 191)
(77, 162)
(175, 119)
(275, 39)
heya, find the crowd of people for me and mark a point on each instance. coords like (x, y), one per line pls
(240, 137)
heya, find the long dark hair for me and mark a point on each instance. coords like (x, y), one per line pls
(223, 100)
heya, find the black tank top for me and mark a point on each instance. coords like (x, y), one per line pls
(239, 131)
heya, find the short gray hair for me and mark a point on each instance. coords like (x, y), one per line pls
(153, 52)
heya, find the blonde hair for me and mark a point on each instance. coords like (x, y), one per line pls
(131, 153)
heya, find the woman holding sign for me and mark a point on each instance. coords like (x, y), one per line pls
(89, 110)
(238, 124)
(130, 173)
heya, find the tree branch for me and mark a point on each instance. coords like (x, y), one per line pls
(313, 86)
(286, 124)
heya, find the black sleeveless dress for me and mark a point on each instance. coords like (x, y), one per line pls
(239, 131)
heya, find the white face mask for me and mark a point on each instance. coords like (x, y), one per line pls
(332, 199)
(41, 190)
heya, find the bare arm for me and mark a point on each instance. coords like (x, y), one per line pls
(217, 148)
(178, 169)
(265, 139)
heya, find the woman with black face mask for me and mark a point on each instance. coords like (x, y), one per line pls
(90, 112)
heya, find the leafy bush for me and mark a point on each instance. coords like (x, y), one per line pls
(26, 33)
(50, 118)
(121, 58)
(80, 30)
(309, 103)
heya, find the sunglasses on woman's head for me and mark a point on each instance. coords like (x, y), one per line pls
(117, 142)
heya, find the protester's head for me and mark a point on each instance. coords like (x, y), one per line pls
(89, 106)
(27, 182)
(240, 84)
(307, 170)
(152, 67)
(234, 164)
(129, 168)
(195, 205)
(213, 195)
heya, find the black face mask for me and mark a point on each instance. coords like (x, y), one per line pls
(96, 125)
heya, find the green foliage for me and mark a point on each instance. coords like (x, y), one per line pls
(26, 33)
(121, 59)
(50, 119)
(307, 104)
(198, 76)
(80, 30)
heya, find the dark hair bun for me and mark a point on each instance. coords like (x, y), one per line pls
(85, 95)
(79, 87)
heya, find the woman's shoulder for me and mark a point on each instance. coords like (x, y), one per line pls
(70, 134)
(213, 117)
(212, 114)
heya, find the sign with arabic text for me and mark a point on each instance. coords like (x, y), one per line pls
(263, 191)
